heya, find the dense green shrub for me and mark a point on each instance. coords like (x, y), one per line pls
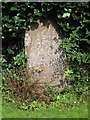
(17, 61)
(77, 46)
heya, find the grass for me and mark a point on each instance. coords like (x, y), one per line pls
(0, 105)
(10, 110)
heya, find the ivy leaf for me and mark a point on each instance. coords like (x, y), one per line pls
(13, 8)
(68, 72)
(66, 15)
(37, 12)
(10, 51)
(86, 21)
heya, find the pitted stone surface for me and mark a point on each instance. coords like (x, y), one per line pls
(44, 53)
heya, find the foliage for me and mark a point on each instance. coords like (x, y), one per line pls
(20, 87)
(73, 22)
(76, 44)
(31, 96)
(17, 61)
(10, 110)
(72, 18)
(20, 60)
(34, 105)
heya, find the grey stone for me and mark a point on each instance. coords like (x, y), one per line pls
(44, 53)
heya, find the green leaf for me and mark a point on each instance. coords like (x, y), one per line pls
(10, 51)
(13, 8)
(37, 12)
(86, 21)
(65, 15)
(87, 40)
(79, 59)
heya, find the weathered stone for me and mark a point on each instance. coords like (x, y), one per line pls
(45, 56)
